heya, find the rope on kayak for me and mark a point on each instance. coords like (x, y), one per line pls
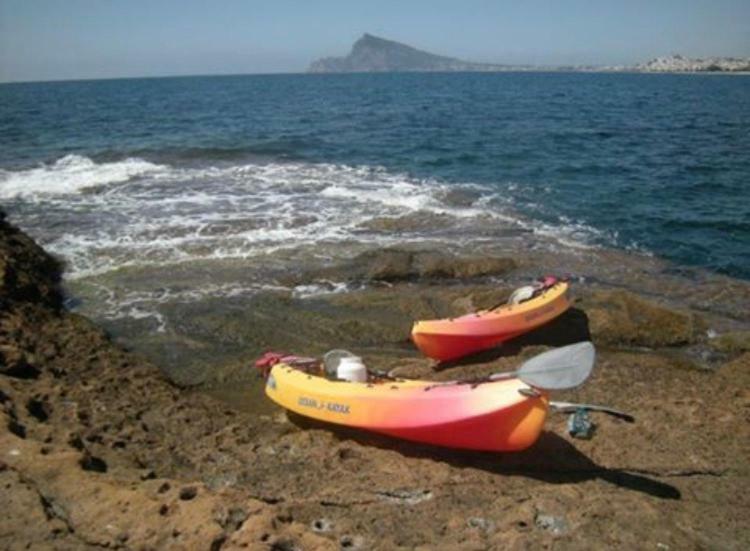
(270, 359)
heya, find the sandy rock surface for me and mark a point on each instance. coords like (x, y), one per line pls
(99, 449)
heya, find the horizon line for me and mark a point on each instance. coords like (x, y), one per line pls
(608, 69)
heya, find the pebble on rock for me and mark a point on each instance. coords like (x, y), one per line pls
(550, 523)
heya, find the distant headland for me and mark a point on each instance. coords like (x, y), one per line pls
(372, 54)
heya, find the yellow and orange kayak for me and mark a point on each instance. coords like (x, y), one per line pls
(449, 339)
(498, 415)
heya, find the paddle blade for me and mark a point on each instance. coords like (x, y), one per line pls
(561, 368)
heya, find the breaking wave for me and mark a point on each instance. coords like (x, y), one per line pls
(71, 174)
(107, 216)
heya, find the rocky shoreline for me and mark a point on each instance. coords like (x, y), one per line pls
(101, 449)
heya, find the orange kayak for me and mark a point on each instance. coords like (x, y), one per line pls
(449, 339)
(498, 415)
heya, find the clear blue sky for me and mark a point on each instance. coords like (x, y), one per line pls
(67, 39)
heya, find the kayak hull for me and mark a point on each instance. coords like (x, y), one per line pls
(450, 339)
(492, 416)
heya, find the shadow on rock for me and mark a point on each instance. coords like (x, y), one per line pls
(570, 327)
(551, 459)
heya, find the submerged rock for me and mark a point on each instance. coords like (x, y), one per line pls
(419, 221)
(394, 265)
(731, 343)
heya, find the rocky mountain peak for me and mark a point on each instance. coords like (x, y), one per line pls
(371, 53)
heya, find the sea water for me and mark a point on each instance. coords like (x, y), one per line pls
(140, 184)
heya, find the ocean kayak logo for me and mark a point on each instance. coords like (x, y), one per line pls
(330, 406)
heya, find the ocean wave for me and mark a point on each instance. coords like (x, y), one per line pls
(149, 214)
(283, 149)
(71, 174)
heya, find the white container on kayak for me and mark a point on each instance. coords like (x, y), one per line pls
(332, 358)
(352, 369)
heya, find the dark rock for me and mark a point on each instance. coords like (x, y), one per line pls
(348, 453)
(285, 517)
(16, 428)
(92, 463)
(76, 442)
(40, 409)
(15, 364)
(27, 272)
(321, 525)
(54, 509)
(352, 542)
(188, 492)
(284, 545)
(218, 542)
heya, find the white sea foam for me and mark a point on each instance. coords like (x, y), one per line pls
(144, 214)
(70, 174)
(321, 289)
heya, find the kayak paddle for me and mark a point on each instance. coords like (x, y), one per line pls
(570, 407)
(557, 369)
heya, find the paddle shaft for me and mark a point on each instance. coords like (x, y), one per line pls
(570, 407)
